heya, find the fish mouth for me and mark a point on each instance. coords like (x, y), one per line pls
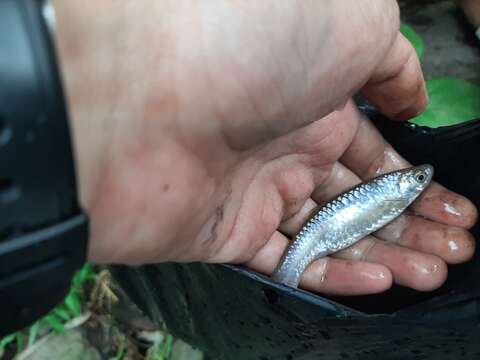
(428, 169)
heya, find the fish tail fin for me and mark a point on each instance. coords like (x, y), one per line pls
(293, 264)
(285, 275)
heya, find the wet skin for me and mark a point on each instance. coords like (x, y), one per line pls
(412, 251)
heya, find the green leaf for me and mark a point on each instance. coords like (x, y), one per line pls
(161, 350)
(7, 340)
(62, 313)
(166, 349)
(73, 303)
(20, 342)
(55, 323)
(32, 333)
(86, 273)
(156, 352)
(414, 38)
(452, 101)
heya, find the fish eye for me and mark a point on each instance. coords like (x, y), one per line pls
(421, 177)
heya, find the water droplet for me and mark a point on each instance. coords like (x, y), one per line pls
(451, 210)
(453, 245)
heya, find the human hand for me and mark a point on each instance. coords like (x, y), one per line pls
(197, 138)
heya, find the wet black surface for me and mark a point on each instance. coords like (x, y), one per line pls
(233, 313)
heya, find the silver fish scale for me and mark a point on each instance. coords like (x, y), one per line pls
(343, 221)
(335, 219)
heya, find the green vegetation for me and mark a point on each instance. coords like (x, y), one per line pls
(90, 301)
(71, 308)
(161, 350)
(452, 101)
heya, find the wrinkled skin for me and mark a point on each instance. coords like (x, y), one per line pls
(208, 131)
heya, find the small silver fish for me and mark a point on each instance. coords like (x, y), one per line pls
(351, 216)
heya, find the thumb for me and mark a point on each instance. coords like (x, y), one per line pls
(397, 86)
